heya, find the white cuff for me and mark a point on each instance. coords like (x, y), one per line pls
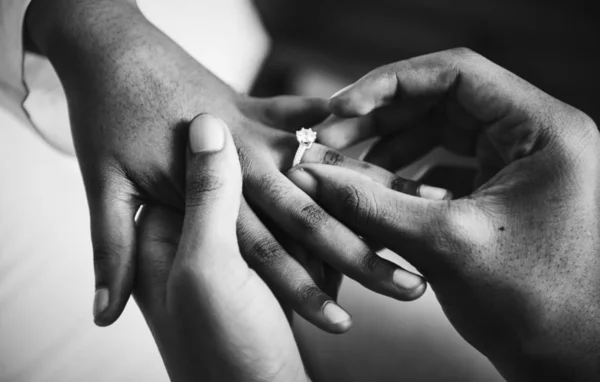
(12, 86)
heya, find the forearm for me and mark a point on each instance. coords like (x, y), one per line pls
(70, 32)
(96, 44)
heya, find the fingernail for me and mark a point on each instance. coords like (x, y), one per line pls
(340, 91)
(100, 301)
(304, 181)
(207, 134)
(434, 193)
(406, 280)
(336, 315)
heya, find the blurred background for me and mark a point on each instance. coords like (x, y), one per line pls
(263, 47)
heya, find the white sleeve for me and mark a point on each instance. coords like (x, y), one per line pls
(12, 85)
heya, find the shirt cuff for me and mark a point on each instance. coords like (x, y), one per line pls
(12, 83)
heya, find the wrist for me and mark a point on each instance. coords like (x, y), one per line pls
(543, 360)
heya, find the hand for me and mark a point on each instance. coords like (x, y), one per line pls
(131, 93)
(211, 315)
(515, 264)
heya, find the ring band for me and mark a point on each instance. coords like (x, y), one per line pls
(305, 137)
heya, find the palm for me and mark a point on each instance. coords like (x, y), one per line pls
(162, 289)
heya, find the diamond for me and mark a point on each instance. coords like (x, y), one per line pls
(306, 136)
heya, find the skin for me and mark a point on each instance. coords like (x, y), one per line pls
(131, 93)
(213, 317)
(515, 264)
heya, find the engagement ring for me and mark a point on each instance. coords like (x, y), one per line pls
(306, 137)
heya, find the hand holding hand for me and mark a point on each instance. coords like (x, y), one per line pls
(211, 315)
(515, 264)
(131, 93)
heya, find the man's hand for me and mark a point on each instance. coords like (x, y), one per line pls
(131, 93)
(212, 316)
(516, 264)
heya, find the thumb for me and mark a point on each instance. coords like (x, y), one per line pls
(213, 191)
(112, 216)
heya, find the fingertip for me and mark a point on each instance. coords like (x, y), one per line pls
(338, 133)
(114, 240)
(338, 319)
(410, 285)
(108, 316)
(350, 103)
(101, 302)
(434, 193)
(206, 134)
(103, 320)
(109, 305)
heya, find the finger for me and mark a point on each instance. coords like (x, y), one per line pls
(397, 221)
(213, 192)
(159, 229)
(316, 268)
(292, 112)
(324, 155)
(491, 94)
(286, 276)
(112, 213)
(341, 132)
(389, 84)
(333, 242)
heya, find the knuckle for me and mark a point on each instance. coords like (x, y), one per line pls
(463, 52)
(107, 251)
(587, 121)
(363, 211)
(313, 218)
(307, 293)
(110, 254)
(459, 60)
(200, 190)
(271, 188)
(370, 262)
(461, 228)
(264, 253)
(585, 125)
(332, 157)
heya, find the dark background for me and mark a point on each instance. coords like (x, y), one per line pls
(552, 45)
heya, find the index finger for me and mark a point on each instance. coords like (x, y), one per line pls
(485, 89)
(513, 112)
(400, 222)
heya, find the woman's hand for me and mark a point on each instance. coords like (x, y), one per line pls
(516, 264)
(131, 93)
(211, 315)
